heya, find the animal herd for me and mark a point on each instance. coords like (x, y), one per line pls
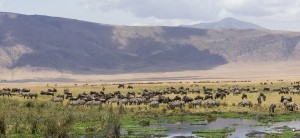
(180, 98)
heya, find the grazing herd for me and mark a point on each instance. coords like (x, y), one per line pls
(180, 98)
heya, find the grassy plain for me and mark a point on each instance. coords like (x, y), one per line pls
(39, 118)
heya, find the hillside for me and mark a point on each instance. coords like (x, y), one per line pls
(227, 23)
(78, 47)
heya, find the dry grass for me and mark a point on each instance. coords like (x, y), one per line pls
(230, 101)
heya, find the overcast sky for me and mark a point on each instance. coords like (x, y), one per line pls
(272, 14)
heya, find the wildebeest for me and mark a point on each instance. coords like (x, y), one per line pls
(6, 89)
(208, 97)
(110, 101)
(61, 96)
(117, 93)
(66, 91)
(52, 90)
(246, 103)
(195, 103)
(195, 91)
(187, 99)
(211, 103)
(93, 92)
(47, 93)
(276, 89)
(15, 90)
(291, 106)
(295, 91)
(272, 108)
(129, 87)
(247, 88)
(288, 98)
(154, 104)
(25, 90)
(198, 97)
(259, 100)
(163, 99)
(69, 95)
(177, 98)
(220, 95)
(3, 93)
(208, 92)
(266, 89)
(121, 86)
(123, 102)
(283, 92)
(130, 94)
(29, 95)
(174, 104)
(263, 96)
(244, 96)
(76, 102)
(236, 92)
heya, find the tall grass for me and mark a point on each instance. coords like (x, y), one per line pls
(35, 118)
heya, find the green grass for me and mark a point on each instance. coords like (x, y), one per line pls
(285, 133)
(217, 133)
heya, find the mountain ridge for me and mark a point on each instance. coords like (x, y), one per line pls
(80, 47)
(226, 23)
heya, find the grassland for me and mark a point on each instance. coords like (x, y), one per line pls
(39, 118)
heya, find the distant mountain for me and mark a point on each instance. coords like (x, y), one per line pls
(227, 23)
(34, 41)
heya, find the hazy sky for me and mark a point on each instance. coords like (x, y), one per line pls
(272, 14)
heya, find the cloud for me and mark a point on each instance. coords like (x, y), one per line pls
(2, 3)
(160, 9)
(165, 22)
(197, 9)
(272, 14)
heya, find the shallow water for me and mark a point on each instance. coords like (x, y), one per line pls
(242, 127)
